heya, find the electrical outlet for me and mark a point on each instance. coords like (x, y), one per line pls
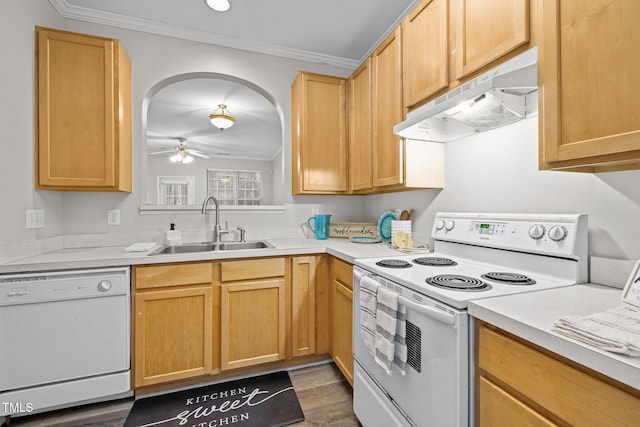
(35, 218)
(113, 217)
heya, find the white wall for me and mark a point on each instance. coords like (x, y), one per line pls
(493, 171)
(154, 59)
(497, 171)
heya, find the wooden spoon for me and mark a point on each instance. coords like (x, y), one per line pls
(410, 214)
(404, 215)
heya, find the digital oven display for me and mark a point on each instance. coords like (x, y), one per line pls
(488, 228)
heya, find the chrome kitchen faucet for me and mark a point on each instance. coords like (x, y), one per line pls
(217, 231)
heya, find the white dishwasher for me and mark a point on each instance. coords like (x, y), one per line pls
(64, 338)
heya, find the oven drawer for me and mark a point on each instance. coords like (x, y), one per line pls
(371, 406)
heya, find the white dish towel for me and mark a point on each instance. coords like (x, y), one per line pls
(616, 330)
(368, 304)
(390, 345)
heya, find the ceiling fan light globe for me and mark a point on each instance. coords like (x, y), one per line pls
(219, 5)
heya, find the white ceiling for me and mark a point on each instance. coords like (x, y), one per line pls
(336, 32)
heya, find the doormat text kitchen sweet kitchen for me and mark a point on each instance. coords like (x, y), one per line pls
(266, 400)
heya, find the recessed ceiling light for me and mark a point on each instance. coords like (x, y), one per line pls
(218, 5)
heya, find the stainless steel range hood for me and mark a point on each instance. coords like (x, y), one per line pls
(506, 94)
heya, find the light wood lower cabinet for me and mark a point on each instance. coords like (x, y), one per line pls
(253, 322)
(252, 312)
(303, 306)
(521, 384)
(342, 317)
(173, 323)
(201, 318)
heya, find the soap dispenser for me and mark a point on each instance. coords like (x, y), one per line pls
(173, 236)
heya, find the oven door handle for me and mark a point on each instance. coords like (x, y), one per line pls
(441, 316)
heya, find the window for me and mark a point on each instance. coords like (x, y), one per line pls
(235, 187)
(176, 190)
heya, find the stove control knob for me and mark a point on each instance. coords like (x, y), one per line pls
(536, 231)
(557, 233)
(439, 224)
(104, 285)
(449, 225)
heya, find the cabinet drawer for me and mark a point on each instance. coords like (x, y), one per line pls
(343, 272)
(498, 408)
(252, 269)
(172, 275)
(569, 393)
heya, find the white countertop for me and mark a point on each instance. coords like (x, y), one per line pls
(531, 316)
(93, 257)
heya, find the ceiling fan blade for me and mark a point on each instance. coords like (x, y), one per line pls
(198, 154)
(163, 152)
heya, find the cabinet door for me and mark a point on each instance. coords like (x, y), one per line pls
(425, 51)
(341, 316)
(387, 111)
(360, 131)
(252, 323)
(487, 30)
(83, 112)
(173, 335)
(303, 306)
(588, 84)
(342, 323)
(319, 134)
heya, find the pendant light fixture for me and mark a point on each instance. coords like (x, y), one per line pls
(221, 120)
(218, 5)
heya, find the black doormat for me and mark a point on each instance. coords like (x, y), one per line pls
(263, 401)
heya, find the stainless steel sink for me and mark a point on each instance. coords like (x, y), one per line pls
(183, 249)
(237, 246)
(208, 247)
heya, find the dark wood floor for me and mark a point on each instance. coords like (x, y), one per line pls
(324, 395)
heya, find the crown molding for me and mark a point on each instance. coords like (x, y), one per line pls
(115, 20)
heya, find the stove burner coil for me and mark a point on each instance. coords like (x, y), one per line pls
(435, 261)
(508, 278)
(393, 263)
(457, 282)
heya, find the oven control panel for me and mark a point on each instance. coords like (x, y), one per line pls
(551, 234)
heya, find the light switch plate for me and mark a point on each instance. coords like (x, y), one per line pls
(35, 218)
(113, 217)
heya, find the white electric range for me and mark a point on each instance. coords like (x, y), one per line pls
(475, 256)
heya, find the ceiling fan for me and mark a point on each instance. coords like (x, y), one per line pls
(182, 153)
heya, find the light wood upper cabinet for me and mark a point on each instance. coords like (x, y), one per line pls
(589, 86)
(174, 322)
(425, 51)
(447, 42)
(380, 160)
(387, 111)
(519, 384)
(360, 129)
(83, 114)
(319, 134)
(487, 30)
